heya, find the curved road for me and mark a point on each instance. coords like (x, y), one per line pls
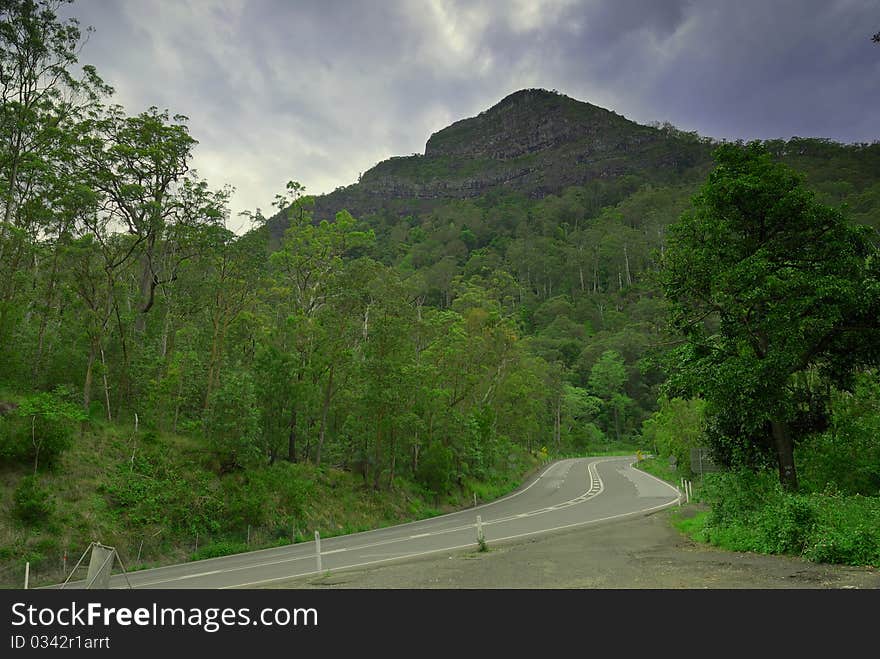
(565, 494)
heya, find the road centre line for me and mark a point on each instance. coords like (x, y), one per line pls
(457, 547)
(281, 550)
(591, 470)
(569, 462)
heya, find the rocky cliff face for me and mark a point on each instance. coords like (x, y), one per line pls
(523, 123)
(534, 141)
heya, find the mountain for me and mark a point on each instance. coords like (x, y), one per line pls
(533, 141)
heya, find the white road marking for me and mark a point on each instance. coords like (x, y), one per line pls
(597, 486)
(471, 544)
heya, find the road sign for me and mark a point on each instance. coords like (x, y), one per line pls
(701, 461)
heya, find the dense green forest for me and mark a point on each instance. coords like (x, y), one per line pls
(166, 378)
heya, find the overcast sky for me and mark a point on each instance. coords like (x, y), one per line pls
(320, 91)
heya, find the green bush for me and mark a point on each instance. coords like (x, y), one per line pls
(221, 548)
(31, 504)
(40, 429)
(152, 490)
(787, 523)
(751, 512)
(847, 456)
(436, 468)
(848, 531)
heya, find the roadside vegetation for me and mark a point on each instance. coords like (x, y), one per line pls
(833, 517)
(158, 500)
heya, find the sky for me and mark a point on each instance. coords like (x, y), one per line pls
(320, 91)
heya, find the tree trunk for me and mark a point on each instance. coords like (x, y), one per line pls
(44, 319)
(106, 386)
(415, 455)
(87, 385)
(307, 450)
(784, 455)
(557, 425)
(179, 400)
(146, 287)
(392, 459)
(291, 438)
(378, 454)
(326, 406)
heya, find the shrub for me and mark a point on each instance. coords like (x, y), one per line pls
(787, 523)
(436, 468)
(40, 430)
(751, 512)
(847, 456)
(31, 504)
(221, 548)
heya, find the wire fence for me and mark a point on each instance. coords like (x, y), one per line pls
(151, 549)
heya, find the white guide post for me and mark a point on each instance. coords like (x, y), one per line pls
(318, 549)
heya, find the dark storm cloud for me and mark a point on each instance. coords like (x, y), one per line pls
(321, 91)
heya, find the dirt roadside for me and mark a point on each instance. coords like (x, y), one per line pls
(644, 552)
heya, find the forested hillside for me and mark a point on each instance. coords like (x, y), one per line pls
(425, 334)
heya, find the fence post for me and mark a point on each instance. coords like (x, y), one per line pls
(318, 549)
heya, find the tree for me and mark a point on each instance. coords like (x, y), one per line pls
(41, 101)
(309, 299)
(607, 378)
(775, 295)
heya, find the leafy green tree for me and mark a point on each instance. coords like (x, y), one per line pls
(232, 422)
(41, 102)
(677, 427)
(606, 381)
(767, 287)
(310, 300)
(580, 410)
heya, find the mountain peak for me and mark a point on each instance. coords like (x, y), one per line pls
(524, 122)
(533, 141)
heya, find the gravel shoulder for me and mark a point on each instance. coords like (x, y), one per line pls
(644, 552)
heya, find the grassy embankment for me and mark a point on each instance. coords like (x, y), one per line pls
(157, 498)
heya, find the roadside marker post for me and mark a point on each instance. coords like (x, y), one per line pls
(27, 574)
(479, 529)
(318, 549)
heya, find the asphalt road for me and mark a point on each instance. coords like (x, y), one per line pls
(566, 494)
